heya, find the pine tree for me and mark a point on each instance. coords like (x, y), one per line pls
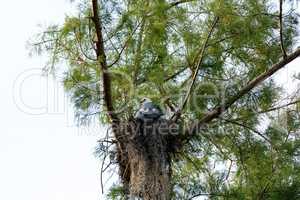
(209, 65)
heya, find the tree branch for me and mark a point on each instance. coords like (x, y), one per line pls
(173, 4)
(79, 42)
(249, 128)
(281, 29)
(279, 107)
(206, 194)
(124, 46)
(101, 56)
(229, 170)
(215, 113)
(101, 174)
(272, 109)
(196, 71)
(176, 3)
(175, 74)
(138, 53)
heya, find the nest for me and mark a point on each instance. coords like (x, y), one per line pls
(144, 157)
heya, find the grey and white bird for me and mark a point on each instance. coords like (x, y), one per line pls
(148, 110)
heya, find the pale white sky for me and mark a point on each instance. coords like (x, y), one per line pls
(43, 156)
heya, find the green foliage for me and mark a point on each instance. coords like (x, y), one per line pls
(152, 48)
(116, 193)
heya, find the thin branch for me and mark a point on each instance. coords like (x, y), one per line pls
(229, 170)
(101, 174)
(196, 71)
(101, 56)
(287, 137)
(279, 107)
(43, 42)
(215, 113)
(113, 46)
(271, 109)
(81, 85)
(108, 165)
(176, 3)
(263, 192)
(171, 5)
(93, 113)
(124, 47)
(206, 194)
(137, 59)
(107, 141)
(79, 41)
(281, 29)
(175, 74)
(249, 128)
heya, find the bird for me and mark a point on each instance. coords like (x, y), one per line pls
(148, 110)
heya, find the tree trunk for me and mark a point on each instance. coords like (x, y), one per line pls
(144, 159)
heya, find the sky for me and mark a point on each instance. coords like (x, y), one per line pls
(43, 155)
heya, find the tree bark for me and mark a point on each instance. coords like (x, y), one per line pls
(144, 159)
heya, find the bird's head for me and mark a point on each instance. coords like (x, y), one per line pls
(145, 100)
